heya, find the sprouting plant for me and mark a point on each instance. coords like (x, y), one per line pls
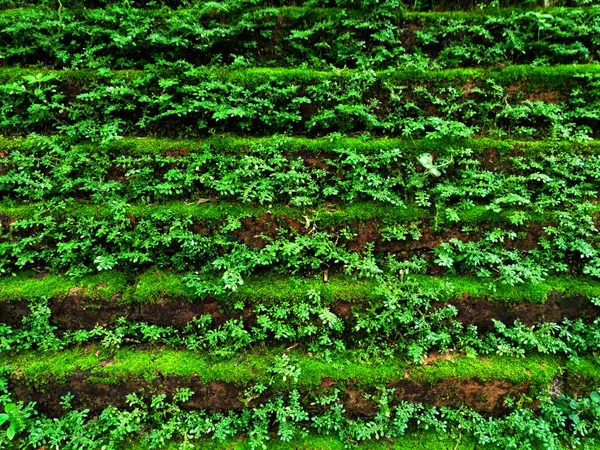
(426, 160)
(16, 418)
(575, 410)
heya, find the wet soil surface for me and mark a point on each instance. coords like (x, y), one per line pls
(12, 313)
(77, 312)
(220, 397)
(558, 306)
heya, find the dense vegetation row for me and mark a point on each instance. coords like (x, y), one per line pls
(124, 38)
(433, 175)
(133, 371)
(236, 5)
(409, 269)
(407, 319)
(241, 245)
(178, 99)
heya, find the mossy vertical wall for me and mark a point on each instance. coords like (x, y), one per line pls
(317, 224)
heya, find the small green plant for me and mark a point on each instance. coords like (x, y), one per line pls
(16, 419)
(575, 410)
(426, 161)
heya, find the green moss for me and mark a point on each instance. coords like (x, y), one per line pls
(411, 441)
(422, 440)
(102, 286)
(234, 144)
(265, 289)
(525, 292)
(215, 214)
(538, 370)
(56, 366)
(346, 368)
(154, 285)
(585, 368)
(270, 288)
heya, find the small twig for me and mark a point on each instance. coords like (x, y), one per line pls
(292, 347)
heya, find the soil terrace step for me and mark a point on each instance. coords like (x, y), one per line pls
(163, 299)
(99, 378)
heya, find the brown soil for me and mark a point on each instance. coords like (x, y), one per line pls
(491, 160)
(214, 397)
(220, 397)
(117, 173)
(530, 241)
(317, 162)
(409, 34)
(480, 312)
(178, 312)
(342, 309)
(255, 229)
(520, 91)
(546, 97)
(5, 223)
(177, 152)
(368, 231)
(468, 88)
(429, 239)
(484, 397)
(12, 313)
(78, 311)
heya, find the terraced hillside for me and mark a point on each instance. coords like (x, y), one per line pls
(315, 224)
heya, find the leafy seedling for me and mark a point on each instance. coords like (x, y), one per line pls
(426, 161)
(573, 408)
(15, 418)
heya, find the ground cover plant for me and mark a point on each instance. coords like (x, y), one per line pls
(311, 224)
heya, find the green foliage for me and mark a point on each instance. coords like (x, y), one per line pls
(102, 104)
(389, 165)
(16, 419)
(59, 237)
(161, 421)
(575, 410)
(122, 37)
(402, 320)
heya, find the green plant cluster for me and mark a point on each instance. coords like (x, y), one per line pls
(332, 184)
(406, 319)
(406, 322)
(237, 5)
(122, 37)
(159, 419)
(178, 98)
(167, 423)
(57, 238)
(274, 171)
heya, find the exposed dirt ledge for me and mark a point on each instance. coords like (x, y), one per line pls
(558, 306)
(79, 312)
(484, 397)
